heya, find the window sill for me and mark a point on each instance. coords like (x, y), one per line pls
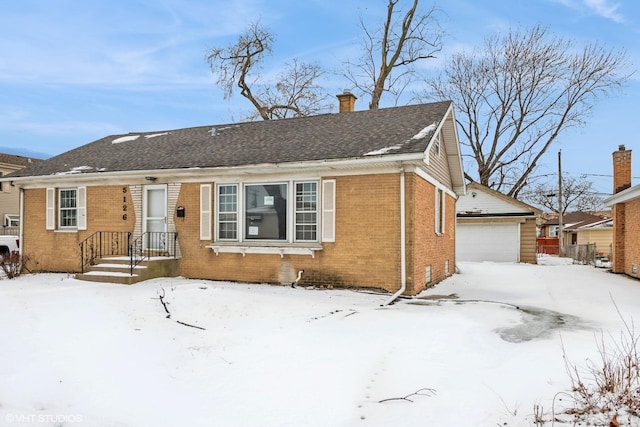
(281, 250)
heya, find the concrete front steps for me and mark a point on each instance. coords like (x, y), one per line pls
(117, 270)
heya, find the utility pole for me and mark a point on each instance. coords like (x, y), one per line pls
(560, 237)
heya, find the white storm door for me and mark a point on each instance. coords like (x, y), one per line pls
(154, 223)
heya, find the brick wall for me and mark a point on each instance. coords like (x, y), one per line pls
(618, 246)
(426, 249)
(631, 240)
(366, 252)
(50, 250)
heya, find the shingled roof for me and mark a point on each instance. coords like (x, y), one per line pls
(351, 135)
(16, 160)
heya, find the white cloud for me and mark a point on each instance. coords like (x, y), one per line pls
(605, 9)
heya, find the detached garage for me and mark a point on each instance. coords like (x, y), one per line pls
(493, 227)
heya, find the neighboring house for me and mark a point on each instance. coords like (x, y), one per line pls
(599, 233)
(625, 204)
(9, 196)
(570, 222)
(494, 227)
(359, 198)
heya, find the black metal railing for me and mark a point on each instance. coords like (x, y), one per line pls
(152, 244)
(104, 243)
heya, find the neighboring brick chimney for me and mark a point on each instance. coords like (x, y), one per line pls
(621, 169)
(621, 181)
(347, 101)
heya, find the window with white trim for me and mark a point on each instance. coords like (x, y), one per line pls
(306, 211)
(553, 230)
(440, 211)
(272, 212)
(227, 212)
(265, 211)
(11, 220)
(66, 208)
(436, 145)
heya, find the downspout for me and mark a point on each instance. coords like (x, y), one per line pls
(21, 226)
(403, 251)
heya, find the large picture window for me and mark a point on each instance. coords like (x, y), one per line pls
(265, 211)
(280, 212)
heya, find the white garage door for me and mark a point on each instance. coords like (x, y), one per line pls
(488, 242)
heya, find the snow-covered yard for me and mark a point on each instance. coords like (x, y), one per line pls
(479, 349)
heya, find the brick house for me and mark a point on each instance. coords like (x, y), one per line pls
(625, 204)
(359, 198)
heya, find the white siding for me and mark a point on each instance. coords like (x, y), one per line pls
(478, 201)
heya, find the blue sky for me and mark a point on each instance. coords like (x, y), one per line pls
(74, 71)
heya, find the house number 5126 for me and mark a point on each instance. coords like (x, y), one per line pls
(124, 205)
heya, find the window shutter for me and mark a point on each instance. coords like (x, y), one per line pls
(205, 212)
(329, 210)
(51, 209)
(82, 208)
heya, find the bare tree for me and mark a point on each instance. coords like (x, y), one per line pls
(294, 94)
(577, 195)
(519, 93)
(390, 53)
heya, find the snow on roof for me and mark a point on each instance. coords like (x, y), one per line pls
(425, 132)
(156, 134)
(80, 169)
(128, 138)
(384, 150)
(125, 139)
(420, 135)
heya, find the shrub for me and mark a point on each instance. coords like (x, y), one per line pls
(12, 264)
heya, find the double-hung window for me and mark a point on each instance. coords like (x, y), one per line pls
(270, 212)
(227, 212)
(66, 208)
(436, 145)
(306, 211)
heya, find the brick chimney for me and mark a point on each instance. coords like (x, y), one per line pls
(347, 101)
(621, 169)
(621, 181)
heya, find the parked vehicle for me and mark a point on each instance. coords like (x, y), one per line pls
(8, 245)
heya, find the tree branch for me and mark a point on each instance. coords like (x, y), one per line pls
(422, 392)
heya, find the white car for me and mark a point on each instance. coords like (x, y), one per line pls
(8, 245)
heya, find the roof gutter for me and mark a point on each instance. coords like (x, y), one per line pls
(403, 249)
(496, 215)
(197, 173)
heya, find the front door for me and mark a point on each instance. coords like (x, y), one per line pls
(155, 217)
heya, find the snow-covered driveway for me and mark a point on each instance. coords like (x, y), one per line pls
(479, 349)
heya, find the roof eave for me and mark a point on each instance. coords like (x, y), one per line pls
(142, 176)
(623, 196)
